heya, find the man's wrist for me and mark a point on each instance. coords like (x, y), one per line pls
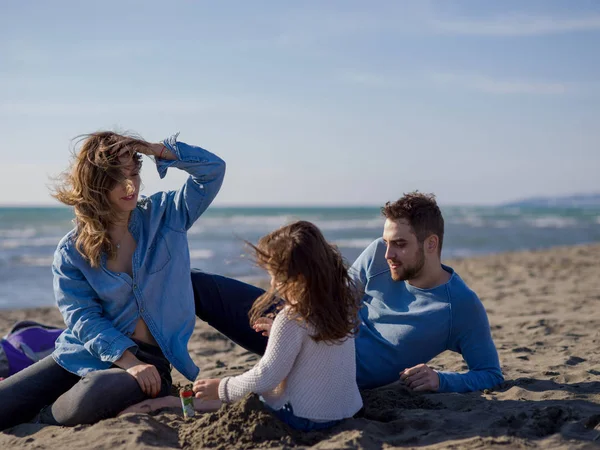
(439, 381)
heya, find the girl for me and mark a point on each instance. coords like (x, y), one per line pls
(307, 376)
(121, 282)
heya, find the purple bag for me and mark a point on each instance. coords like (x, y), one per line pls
(27, 342)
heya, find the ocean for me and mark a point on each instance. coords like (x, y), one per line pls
(28, 238)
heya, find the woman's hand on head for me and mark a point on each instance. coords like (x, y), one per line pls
(147, 377)
(263, 326)
(152, 149)
(148, 149)
(207, 389)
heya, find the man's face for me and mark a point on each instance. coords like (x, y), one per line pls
(404, 254)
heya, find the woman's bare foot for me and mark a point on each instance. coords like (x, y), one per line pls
(153, 404)
(206, 405)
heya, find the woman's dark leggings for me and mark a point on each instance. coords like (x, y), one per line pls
(67, 399)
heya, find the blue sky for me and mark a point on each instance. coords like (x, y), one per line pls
(338, 102)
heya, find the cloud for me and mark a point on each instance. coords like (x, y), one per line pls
(366, 79)
(222, 104)
(37, 53)
(517, 25)
(469, 81)
(502, 86)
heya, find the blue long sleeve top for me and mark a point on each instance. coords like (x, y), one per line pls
(402, 326)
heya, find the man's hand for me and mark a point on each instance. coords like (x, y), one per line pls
(263, 325)
(421, 378)
(147, 377)
(207, 389)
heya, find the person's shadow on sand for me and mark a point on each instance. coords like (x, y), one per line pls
(524, 408)
(493, 416)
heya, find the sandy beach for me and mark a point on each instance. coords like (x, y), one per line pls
(544, 310)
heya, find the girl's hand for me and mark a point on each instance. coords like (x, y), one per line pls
(263, 325)
(207, 389)
(147, 377)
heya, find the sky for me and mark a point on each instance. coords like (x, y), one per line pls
(313, 102)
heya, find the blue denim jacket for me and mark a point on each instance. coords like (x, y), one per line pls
(101, 307)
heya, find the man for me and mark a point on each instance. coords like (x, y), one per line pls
(414, 307)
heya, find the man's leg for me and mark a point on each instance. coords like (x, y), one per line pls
(224, 303)
(23, 394)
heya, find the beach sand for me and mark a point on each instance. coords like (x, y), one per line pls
(544, 310)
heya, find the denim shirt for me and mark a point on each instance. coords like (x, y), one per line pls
(101, 307)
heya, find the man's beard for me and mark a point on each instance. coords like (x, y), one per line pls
(408, 273)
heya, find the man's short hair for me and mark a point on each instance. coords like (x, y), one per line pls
(422, 214)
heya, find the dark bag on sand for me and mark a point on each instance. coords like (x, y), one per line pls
(27, 342)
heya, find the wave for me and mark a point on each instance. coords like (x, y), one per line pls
(351, 224)
(239, 222)
(201, 253)
(35, 261)
(481, 222)
(266, 224)
(552, 222)
(471, 220)
(18, 232)
(37, 242)
(353, 243)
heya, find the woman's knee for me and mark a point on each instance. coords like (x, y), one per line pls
(99, 395)
(109, 382)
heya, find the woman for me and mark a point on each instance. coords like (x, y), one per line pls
(121, 282)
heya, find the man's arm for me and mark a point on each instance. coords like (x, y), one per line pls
(472, 338)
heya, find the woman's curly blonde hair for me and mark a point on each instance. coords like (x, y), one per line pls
(311, 272)
(96, 169)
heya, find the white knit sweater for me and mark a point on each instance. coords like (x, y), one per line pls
(316, 378)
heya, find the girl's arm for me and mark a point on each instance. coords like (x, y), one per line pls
(283, 347)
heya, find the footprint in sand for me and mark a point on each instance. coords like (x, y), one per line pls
(574, 360)
(522, 350)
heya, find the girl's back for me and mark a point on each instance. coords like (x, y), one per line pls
(321, 377)
(307, 375)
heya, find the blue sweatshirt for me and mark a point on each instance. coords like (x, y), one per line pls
(402, 326)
